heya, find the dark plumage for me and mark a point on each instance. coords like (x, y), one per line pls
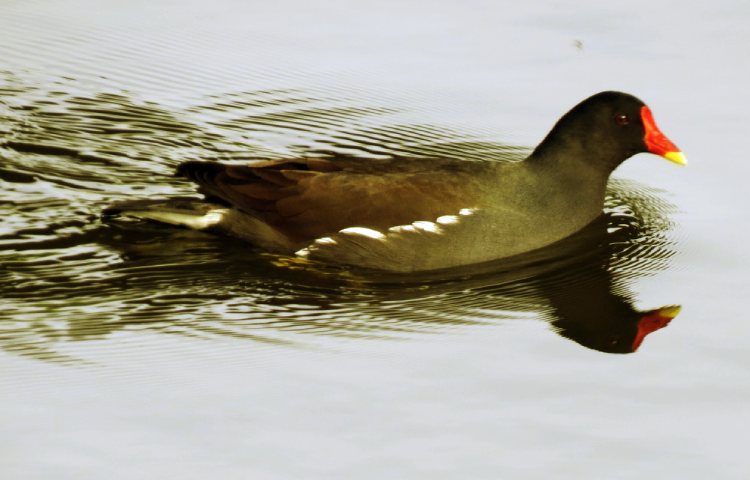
(423, 214)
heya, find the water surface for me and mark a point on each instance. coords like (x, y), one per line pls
(134, 350)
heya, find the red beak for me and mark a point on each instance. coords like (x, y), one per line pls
(652, 321)
(657, 142)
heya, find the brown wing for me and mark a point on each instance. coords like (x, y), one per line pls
(310, 197)
(256, 187)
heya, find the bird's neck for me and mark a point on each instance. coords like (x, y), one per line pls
(565, 175)
(591, 156)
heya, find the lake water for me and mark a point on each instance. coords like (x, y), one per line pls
(132, 350)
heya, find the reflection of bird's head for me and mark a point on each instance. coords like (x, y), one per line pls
(616, 329)
(653, 320)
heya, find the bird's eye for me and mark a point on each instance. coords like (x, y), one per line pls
(622, 119)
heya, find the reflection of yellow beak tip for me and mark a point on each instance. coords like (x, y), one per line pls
(671, 311)
(676, 157)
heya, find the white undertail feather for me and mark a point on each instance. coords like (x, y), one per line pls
(193, 220)
(202, 216)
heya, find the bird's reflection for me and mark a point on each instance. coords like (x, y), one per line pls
(596, 311)
(609, 322)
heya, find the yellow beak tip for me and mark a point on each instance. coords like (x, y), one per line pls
(670, 311)
(676, 157)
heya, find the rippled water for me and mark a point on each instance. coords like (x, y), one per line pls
(417, 376)
(70, 276)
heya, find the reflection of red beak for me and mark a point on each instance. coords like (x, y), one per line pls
(657, 142)
(652, 321)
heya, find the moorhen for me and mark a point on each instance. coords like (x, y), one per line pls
(417, 214)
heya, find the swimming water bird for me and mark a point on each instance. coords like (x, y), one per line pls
(417, 214)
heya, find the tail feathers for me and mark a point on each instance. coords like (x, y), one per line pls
(200, 215)
(198, 171)
(186, 212)
(205, 175)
